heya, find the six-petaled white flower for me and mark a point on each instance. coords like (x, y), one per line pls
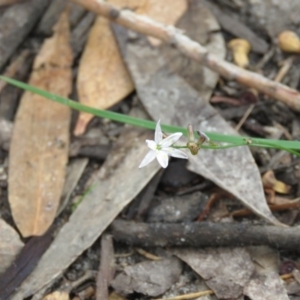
(161, 148)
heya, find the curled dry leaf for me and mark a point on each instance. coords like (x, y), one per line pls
(270, 182)
(40, 141)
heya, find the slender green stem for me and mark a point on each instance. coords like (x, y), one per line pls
(234, 141)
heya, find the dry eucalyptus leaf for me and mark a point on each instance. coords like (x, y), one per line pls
(102, 76)
(265, 287)
(168, 97)
(10, 245)
(184, 208)
(225, 270)
(265, 283)
(118, 182)
(151, 278)
(40, 141)
(167, 12)
(274, 16)
(101, 67)
(201, 26)
(266, 259)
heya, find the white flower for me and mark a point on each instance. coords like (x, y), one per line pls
(160, 148)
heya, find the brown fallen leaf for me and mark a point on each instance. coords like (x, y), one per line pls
(118, 182)
(10, 245)
(225, 270)
(151, 278)
(40, 141)
(200, 25)
(103, 79)
(167, 11)
(273, 16)
(102, 68)
(265, 282)
(266, 287)
(168, 97)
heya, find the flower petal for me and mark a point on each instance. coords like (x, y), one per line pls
(151, 144)
(175, 153)
(170, 140)
(158, 133)
(162, 158)
(150, 156)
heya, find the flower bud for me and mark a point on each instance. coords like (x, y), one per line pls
(192, 144)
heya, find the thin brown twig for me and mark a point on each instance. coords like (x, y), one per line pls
(190, 296)
(194, 50)
(286, 65)
(244, 118)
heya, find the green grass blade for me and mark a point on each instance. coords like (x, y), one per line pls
(231, 139)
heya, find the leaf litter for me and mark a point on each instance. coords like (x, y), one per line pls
(167, 96)
(100, 65)
(41, 130)
(161, 73)
(10, 245)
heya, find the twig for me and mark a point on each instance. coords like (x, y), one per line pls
(205, 234)
(107, 269)
(190, 296)
(244, 118)
(286, 65)
(193, 50)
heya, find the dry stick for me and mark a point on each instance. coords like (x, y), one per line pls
(190, 296)
(205, 234)
(286, 65)
(193, 50)
(106, 271)
(244, 118)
